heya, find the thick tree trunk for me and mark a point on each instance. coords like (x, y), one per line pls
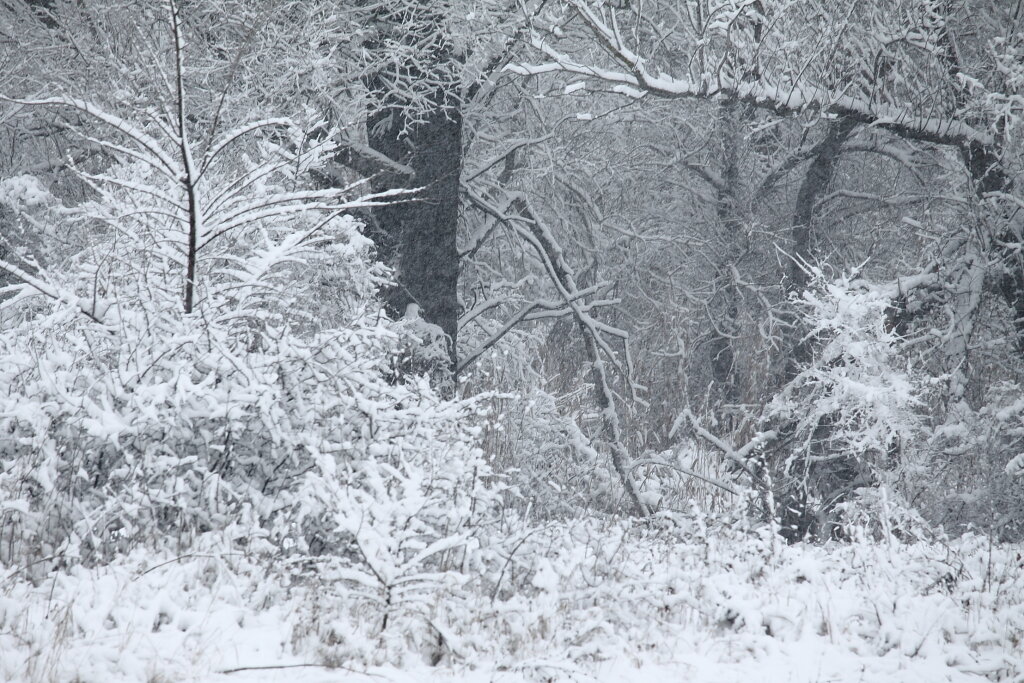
(419, 124)
(418, 237)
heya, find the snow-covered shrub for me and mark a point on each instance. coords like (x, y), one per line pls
(423, 350)
(533, 436)
(25, 234)
(678, 597)
(846, 417)
(691, 475)
(882, 514)
(972, 475)
(553, 463)
(552, 467)
(575, 598)
(268, 411)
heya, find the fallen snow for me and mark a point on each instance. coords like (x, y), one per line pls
(589, 601)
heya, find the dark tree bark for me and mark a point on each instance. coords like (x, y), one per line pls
(816, 182)
(420, 126)
(991, 179)
(417, 237)
(721, 348)
(7, 219)
(43, 9)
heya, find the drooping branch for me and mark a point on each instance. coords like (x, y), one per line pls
(150, 151)
(687, 471)
(94, 310)
(738, 456)
(634, 79)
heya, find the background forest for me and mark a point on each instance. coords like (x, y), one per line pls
(544, 340)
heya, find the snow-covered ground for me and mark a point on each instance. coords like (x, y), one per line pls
(589, 601)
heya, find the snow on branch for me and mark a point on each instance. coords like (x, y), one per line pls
(527, 224)
(231, 136)
(91, 310)
(636, 81)
(739, 456)
(155, 156)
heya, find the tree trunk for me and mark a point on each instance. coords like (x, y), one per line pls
(815, 183)
(417, 237)
(721, 349)
(990, 179)
(423, 131)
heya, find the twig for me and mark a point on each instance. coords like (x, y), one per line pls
(271, 667)
(686, 470)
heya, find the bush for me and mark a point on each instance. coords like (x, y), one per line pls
(269, 412)
(972, 476)
(847, 416)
